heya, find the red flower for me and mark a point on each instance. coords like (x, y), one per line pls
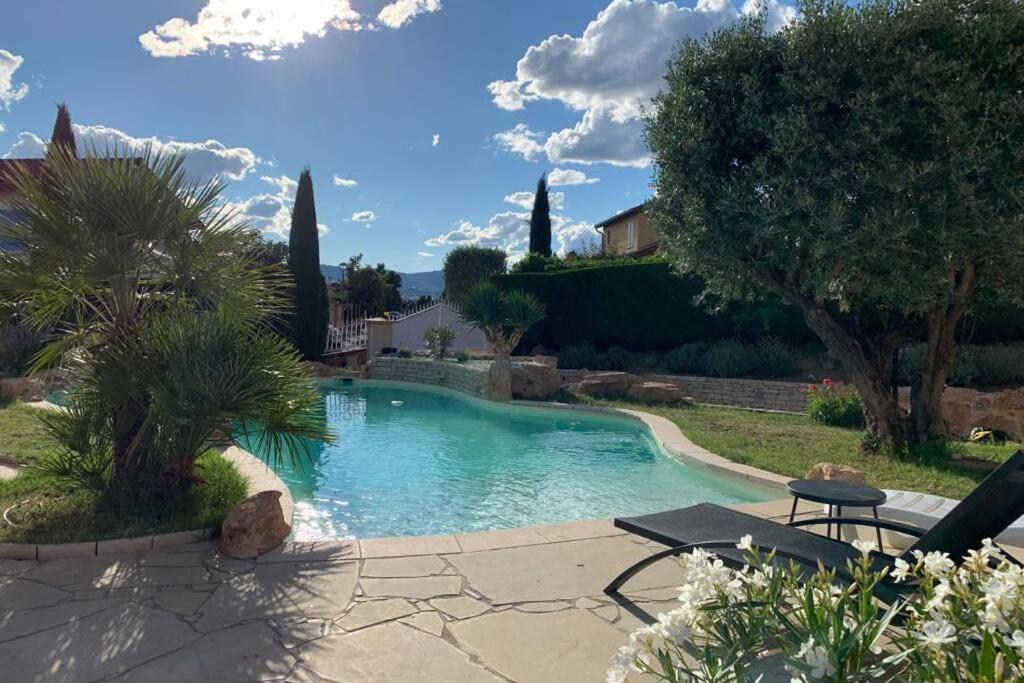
(827, 382)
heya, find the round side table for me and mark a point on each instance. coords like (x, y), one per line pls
(837, 494)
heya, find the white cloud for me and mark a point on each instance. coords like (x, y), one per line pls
(9, 91)
(344, 182)
(570, 176)
(611, 69)
(363, 217)
(3, 128)
(424, 254)
(259, 29)
(599, 139)
(436, 140)
(26, 146)
(525, 199)
(510, 231)
(521, 141)
(203, 160)
(286, 186)
(401, 12)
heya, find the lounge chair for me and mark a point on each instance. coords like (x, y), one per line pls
(993, 506)
(925, 509)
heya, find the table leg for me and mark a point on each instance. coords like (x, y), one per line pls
(839, 525)
(828, 533)
(878, 530)
(792, 513)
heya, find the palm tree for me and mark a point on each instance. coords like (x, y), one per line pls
(504, 317)
(165, 326)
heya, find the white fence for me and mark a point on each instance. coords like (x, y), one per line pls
(348, 336)
(407, 332)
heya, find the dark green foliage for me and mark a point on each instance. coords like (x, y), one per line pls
(729, 358)
(309, 322)
(437, 339)
(540, 221)
(18, 343)
(976, 365)
(404, 353)
(535, 263)
(734, 358)
(504, 316)
(640, 307)
(465, 266)
(828, 406)
(618, 358)
(686, 359)
(584, 356)
(63, 136)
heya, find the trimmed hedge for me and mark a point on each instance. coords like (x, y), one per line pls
(642, 306)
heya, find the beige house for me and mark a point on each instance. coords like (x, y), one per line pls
(629, 232)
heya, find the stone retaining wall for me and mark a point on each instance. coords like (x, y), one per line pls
(469, 379)
(742, 393)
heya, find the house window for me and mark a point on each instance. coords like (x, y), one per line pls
(630, 235)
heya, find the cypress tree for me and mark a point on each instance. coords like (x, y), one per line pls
(63, 136)
(540, 221)
(309, 319)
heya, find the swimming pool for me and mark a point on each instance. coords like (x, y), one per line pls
(411, 461)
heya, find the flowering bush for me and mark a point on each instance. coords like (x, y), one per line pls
(961, 623)
(437, 339)
(828, 405)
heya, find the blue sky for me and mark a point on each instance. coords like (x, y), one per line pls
(254, 90)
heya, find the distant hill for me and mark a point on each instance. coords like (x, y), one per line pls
(414, 285)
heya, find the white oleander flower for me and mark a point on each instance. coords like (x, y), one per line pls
(746, 543)
(941, 591)
(622, 662)
(935, 564)
(902, 571)
(816, 657)
(935, 634)
(865, 547)
(677, 625)
(1017, 641)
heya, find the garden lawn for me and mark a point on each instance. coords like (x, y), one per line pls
(57, 513)
(791, 444)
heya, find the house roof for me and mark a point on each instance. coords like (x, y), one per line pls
(34, 166)
(619, 216)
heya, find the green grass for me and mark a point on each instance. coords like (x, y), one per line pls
(21, 435)
(57, 513)
(791, 444)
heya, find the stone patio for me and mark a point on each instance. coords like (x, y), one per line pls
(516, 605)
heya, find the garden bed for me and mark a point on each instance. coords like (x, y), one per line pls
(42, 509)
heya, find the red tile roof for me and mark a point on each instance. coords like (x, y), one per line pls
(34, 166)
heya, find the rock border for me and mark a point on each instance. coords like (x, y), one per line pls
(258, 475)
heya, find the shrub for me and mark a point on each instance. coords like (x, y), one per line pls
(957, 623)
(686, 358)
(465, 266)
(728, 358)
(461, 356)
(582, 356)
(617, 358)
(976, 365)
(17, 346)
(437, 340)
(829, 406)
(774, 358)
(640, 306)
(404, 353)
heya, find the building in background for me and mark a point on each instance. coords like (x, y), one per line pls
(628, 232)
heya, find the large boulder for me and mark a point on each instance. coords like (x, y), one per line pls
(533, 380)
(965, 409)
(657, 392)
(833, 472)
(254, 527)
(606, 384)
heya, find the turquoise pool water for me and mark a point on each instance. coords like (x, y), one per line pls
(419, 462)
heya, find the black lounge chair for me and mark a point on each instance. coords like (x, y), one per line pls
(989, 509)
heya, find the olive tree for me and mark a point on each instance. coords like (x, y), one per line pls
(865, 163)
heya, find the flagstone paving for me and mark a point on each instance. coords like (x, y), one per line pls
(523, 605)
